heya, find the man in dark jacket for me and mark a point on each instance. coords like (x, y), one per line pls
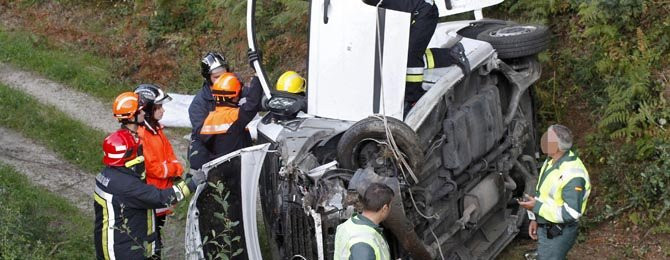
(212, 66)
(124, 203)
(205, 147)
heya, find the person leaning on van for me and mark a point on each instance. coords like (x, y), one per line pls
(562, 193)
(361, 237)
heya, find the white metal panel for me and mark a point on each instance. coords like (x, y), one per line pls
(396, 43)
(341, 80)
(462, 6)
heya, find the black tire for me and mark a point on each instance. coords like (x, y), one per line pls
(373, 128)
(515, 41)
(477, 27)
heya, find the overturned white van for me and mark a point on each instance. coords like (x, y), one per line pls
(456, 160)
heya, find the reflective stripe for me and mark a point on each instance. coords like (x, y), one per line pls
(414, 78)
(115, 155)
(120, 148)
(161, 210)
(109, 222)
(573, 213)
(215, 128)
(151, 228)
(121, 102)
(165, 169)
(415, 70)
(430, 60)
(220, 120)
(181, 190)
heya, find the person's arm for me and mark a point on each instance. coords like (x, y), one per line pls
(197, 113)
(253, 96)
(251, 105)
(154, 159)
(140, 195)
(573, 194)
(175, 168)
(362, 251)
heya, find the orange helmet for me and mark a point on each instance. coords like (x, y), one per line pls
(227, 86)
(126, 106)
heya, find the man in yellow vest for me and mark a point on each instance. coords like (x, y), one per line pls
(360, 237)
(562, 192)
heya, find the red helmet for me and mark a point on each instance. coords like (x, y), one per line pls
(119, 147)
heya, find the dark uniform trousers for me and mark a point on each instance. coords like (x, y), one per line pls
(424, 22)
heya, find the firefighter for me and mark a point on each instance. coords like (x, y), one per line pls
(124, 205)
(224, 131)
(424, 21)
(161, 164)
(212, 66)
(361, 237)
(562, 193)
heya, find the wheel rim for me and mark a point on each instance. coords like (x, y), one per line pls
(513, 31)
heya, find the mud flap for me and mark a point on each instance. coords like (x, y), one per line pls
(252, 162)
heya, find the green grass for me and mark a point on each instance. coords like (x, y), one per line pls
(80, 70)
(76, 142)
(36, 224)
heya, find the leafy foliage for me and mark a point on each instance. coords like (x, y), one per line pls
(611, 56)
(225, 243)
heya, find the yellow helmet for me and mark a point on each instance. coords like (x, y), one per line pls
(291, 82)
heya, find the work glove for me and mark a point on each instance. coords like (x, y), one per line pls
(198, 177)
(253, 56)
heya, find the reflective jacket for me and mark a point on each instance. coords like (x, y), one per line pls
(205, 147)
(220, 120)
(160, 162)
(562, 190)
(124, 212)
(224, 130)
(358, 238)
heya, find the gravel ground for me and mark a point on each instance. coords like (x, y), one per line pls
(46, 169)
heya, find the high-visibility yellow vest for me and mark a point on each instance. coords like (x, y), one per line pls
(350, 233)
(550, 186)
(219, 120)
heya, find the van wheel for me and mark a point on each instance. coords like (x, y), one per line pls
(365, 145)
(475, 28)
(514, 41)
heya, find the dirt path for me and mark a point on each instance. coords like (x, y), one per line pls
(80, 106)
(77, 105)
(46, 169)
